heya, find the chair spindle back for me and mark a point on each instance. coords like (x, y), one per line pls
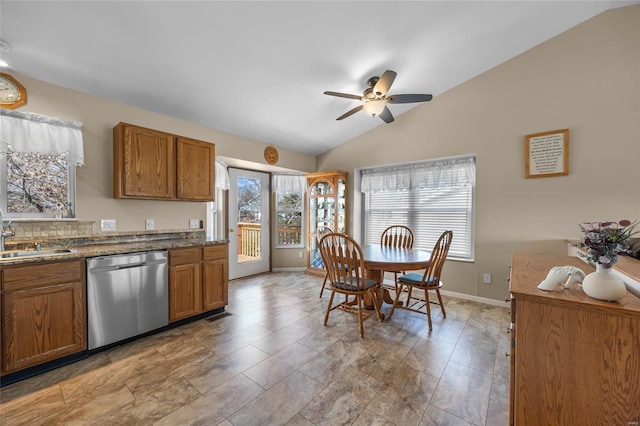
(397, 236)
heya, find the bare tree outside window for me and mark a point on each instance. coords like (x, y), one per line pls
(289, 215)
(38, 184)
(249, 200)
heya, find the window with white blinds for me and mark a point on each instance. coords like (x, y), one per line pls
(429, 197)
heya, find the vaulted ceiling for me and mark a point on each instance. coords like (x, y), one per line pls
(259, 68)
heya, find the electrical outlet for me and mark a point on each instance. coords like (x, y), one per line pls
(194, 223)
(107, 225)
(149, 224)
(300, 253)
(487, 278)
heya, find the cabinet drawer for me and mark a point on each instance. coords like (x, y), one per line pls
(184, 256)
(31, 275)
(215, 252)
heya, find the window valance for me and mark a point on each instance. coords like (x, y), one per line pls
(31, 132)
(450, 172)
(222, 175)
(288, 183)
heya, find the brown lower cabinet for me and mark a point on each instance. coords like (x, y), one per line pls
(43, 313)
(574, 360)
(197, 280)
(44, 304)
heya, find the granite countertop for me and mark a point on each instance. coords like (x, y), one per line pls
(103, 245)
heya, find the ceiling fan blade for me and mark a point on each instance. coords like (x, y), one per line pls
(343, 95)
(405, 99)
(350, 112)
(386, 115)
(384, 83)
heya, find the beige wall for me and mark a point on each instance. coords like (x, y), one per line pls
(94, 197)
(587, 80)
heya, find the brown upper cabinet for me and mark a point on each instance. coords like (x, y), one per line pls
(150, 164)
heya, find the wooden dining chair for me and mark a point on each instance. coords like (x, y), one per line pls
(343, 259)
(396, 236)
(321, 232)
(430, 280)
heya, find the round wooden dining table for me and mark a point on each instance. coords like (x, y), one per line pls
(378, 259)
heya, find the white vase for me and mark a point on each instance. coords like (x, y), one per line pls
(604, 285)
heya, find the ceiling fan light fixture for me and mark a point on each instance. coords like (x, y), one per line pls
(374, 108)
(374, 98)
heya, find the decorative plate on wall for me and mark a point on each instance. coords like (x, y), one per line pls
(271, 155)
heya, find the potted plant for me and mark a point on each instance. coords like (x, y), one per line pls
(601, 243)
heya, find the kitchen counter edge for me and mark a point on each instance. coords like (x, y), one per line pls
(106, 249)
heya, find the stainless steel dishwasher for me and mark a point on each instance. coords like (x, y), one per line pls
(127, 295)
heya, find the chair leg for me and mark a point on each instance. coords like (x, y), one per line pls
(399, 287)
(376, 306)
(444, 314)
(326, 317)
(426, 297)
(395, 280)
(360, 319)
(324, 282)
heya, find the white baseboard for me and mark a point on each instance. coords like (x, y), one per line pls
(464, 296)
(297, 269)
(493, 302)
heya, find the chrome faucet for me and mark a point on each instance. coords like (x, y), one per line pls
(3, 232)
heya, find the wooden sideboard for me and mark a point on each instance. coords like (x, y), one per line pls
(574, 360)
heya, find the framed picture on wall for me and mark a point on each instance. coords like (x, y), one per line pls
(547, 154)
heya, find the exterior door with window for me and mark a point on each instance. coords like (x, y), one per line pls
(249, 240)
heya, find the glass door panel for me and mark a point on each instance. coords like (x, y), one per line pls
(248, 223)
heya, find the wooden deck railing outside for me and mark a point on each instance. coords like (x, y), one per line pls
(250, 238)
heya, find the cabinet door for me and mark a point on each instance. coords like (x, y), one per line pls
(327, 208)
(341, 206)
(185, 291)
(195, 169)
(42, 324)
(215, 277)
(215, 284)
(144, 164)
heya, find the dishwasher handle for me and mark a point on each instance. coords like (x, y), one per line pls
(100, 269)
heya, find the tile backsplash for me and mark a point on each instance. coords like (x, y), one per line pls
(54, 228)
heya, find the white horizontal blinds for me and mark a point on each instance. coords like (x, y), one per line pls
(430, 201)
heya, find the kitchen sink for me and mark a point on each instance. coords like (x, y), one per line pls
(31, 253)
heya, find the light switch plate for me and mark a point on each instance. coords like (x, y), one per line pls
(149, 224)
(107, 225)
(194, 223)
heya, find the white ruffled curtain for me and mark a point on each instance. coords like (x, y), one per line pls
(288, 183)
(446, 173)
(31, 132)
(222, 175)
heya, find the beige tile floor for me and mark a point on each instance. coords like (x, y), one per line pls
(273, 362)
